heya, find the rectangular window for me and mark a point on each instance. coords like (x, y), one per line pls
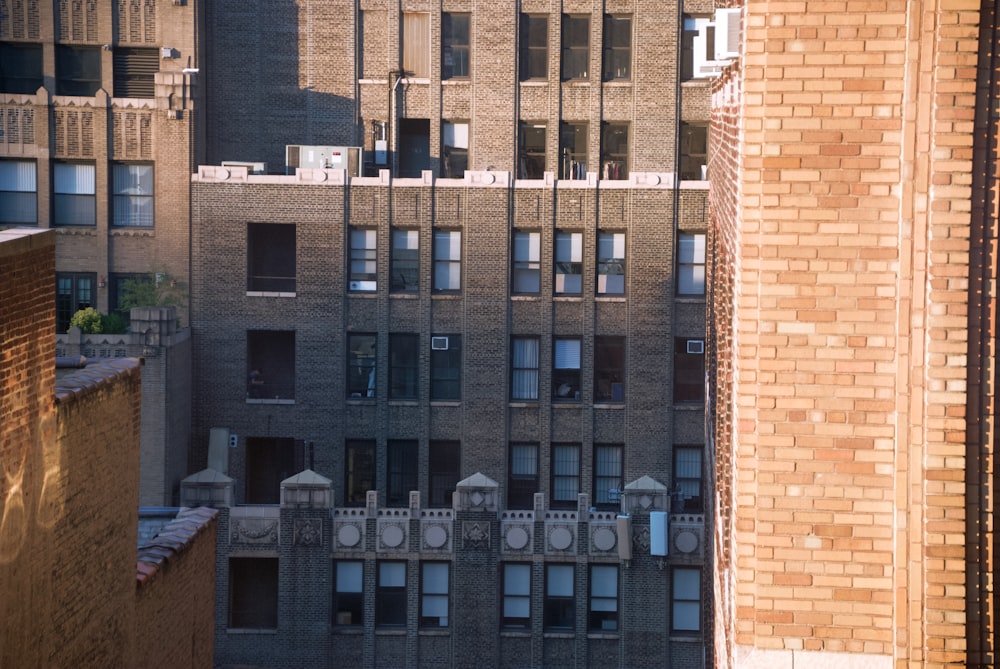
(348, 593)
(517, 596)
(253, 593)
(565, 475)
(527, 262)
(405, 261)
(454, 149)
(691, 263)
(74, 291)
(404, 358)
(269, 461)
(126, 289)
(686, 600)
(363, 276)
(73, 189)
(607, 475)
(694, 152)
(609, 369)
(698, 48)
(434, 594)
(611, 263)
(18, 192)
(135, 72)
(614, 151)
(454, 45)
(687, 479)
(390, 594)
(603, 598)
(446, 367)
(566, 370)
(572, 150)
(523, 482)
(443, 472)
(617, 48)
(359, 470)
(271, 257)
(447, 260)
(361, 365)
(689, 370)
(575, 47)
(531, 145)
(401, 471)
(20, 68)
(417, 45)
(524, 368)
(534, 56)
(560, 600)
(78, 70)
(271, 364)
(133, 185)
(569, 263)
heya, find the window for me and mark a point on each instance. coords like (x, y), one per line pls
(434, 594)
(417, 45)
(560, 602)
(689, 370)
(253, 593)
(363, 269)
(517, 596)
(691, 263)
(614, 151)
(414, 147)
(617, 47)
(531, 144)
(454, 149)
(361, 365)
(446, 367)
(603, 598)
(271, 257)
(20, 68)
(135, 72)
(454, 45)
(607, 475)
(694, 152)
(443, 466)
(74, 291)
(698, 48)
(119, 285)
(534, 56)
(572, 150)
(359, 470)
(401, 472)
(569, 263)
(390, 594)
(78, 70)
(269, 461)
(524, 368)
(565, 475)
(74, 202)
(404, 357)
(527, 262)
(609, 369)
(133, 201)
(18, 191)
(348, 593)
(566, 370)
(687, 479)
(523, 482)
(611, 263)
(271, 364)
(686, 600)
(447, 260)
(575, 47)
(405, 260)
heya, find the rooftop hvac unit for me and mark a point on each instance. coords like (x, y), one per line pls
(252, 168)
(696, 346)
(439, 343)
(324, 157)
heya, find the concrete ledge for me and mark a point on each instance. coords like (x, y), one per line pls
(759, 658)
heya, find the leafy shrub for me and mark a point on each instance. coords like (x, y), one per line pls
(88, 320)
(114, 324)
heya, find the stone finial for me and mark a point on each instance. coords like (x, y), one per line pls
(307, 489)
(645, 494)
(477, 493)
(207, 488)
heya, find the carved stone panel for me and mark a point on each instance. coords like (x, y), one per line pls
(308, 532)
(254, 530)
(476, 534)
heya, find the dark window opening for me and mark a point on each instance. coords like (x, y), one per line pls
(18, 191)
(405, 261)
(607, 475)
(74, 291)
(687, 479)
(575, 47)
(404, 359)
(253, 593)
(271, 364)
(271, 257)
(534, 52)
(522, 483)
(348, 593)
(270, 460)
(443, 466)
(617, 48)
(390, 594)
(694, 152)
(359, 470)
(689, 370)
(135, 72)
(531, 158)
(414, 146)
(565, 475)
(609, 369)
(614, 151)
(560, 599)
(78, 70)
(446, 367)
(20, 68)
(401, 474)
(454, 149)
(361, 349)
(572, 150)
(118, 288)
(454, 45)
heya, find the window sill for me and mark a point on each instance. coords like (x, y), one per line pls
(262, 400)
(450, 295)
(415, 80)
(430, 632)
(409, 295)
(361, 401)
(568, 298)
(694, 637)
(404, 403)
(690, 299)
(515, 634)
(523, 404)
(248, 630)
(611, 298)
(446, 403)
(355, 630)
(381, 82)
(390, 632)
(558, 635)
(136, 231)
(603, 635)
(609, 405)
(268, 293)
(562, 404)
(524, 297)
(689, 406)
(619, 83)
(456, 81)
(576, 83)
(535, 82)
(365, 294)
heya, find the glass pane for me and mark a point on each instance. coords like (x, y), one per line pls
(392, 574)
(349, 577)
(687, 584)
(516, 607)
(567, 354)
(559, 581)
(435, 579)
(604, 582)
(517, 579)
(687, 616)
(524, 460)
(566, 461)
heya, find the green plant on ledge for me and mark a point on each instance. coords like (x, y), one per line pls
(91, 321)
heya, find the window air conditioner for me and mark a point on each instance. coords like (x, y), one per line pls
(439, 343)
(727, 33)
(696, 346)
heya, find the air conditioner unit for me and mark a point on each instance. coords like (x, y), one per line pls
(727, 33)
(439, 343)
(696, 346)
(167, 52)
(658, 534)
(252, 168)
(324, 157)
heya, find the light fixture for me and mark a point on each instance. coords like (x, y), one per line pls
(101, 282)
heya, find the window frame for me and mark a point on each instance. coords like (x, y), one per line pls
(456, 55)
(415, 44)
(80, 297)
(533, 54)
(354, 598)
(614, 52)
(67, 205)
(447, 261)
(74, 76)
(531, 155)
(559, 606)
(359, 470)
(443, 471)
(524, 371)
(446, 369)
(566, 379)
(404, 366)
(602, 602)
(360, 366)
(271, 354)
(400, 471)
(574, 55)
(238, 581)
(18, 184)
(271, 248)
(432, 594)
(687, 601)
(454, 149)
(568, 243)
(683, 484)
(390, 597)
(691, 263)
(526, 265)
(609, 369)
(611, 265)
(21, 69)
(516, 595)
(609, 467)
(522, 485)
(686, 367)
(404, 261)
(363, 260)
(564, 475)
(573, 145)
(614, 151)
(133, 210)
(694, 147)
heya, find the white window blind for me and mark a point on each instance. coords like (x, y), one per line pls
(567, 354)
